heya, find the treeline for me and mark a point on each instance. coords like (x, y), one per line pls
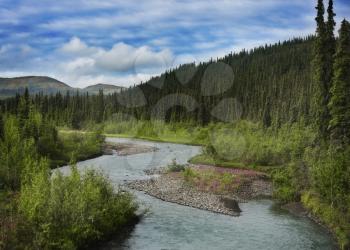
(270, 84)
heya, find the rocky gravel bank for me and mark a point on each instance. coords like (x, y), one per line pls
(172, 188)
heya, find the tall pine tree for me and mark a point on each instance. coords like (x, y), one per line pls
(331, 45)
(330, 29)
(323, 61)
(340, 100)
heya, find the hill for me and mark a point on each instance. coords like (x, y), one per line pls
(107, 88)
(35, 84)
(270, 84)
(42, 84)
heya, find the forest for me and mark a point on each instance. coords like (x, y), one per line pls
(283, 109)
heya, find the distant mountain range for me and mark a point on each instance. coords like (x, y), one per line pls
(47, 85)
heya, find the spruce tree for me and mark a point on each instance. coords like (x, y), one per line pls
(330, 29)
(321, 69)
(340, 93)
(331, 45)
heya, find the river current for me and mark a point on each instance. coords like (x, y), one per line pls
(262, 224)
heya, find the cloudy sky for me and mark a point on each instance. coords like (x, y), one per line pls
(123, 42)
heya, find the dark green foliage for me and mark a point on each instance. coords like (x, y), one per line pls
(175, 167)
(267, 115)
(330, 30)
(340, 100)
(322, 65)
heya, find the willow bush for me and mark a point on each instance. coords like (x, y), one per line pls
(70, 212)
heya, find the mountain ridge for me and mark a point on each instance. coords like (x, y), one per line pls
(10, 86)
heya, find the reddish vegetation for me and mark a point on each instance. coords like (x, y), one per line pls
(244, 183)
(235, 171)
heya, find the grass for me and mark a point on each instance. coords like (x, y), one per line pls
(208, 160)
(211, 181)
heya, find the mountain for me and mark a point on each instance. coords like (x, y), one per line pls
(35, 84)
(107, 88)
(47, 85)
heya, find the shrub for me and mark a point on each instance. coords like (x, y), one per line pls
(69, 212)
(330, 175)
(189, 174)
(284, 190)
(174, 167)
(335, 219)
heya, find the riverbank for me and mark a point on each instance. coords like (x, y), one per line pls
(219, 196)
(281, 174)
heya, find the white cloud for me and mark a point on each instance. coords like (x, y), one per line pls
(122, 64)
(124, 42)
(80, 65)
(76, 47)
(121, 57)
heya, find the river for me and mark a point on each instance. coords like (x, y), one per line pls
(262, 225)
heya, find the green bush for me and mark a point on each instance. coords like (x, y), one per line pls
(284, 189)
(330, 172)
(174, 167)
(253, 144)
(77, 146)
(69, 212)
(189, 174)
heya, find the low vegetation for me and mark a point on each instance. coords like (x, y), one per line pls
(70, 212)
(78, 146)
(175, 167)
(212, 181)
(41, 210)
(288, 155)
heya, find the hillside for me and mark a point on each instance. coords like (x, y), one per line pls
(271, 83)
(35, 84)
(42, 84)
(107, 88)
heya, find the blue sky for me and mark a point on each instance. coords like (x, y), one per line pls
(83, 42)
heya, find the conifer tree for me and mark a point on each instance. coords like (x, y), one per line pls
(321, 72)
(331, 45)
(340, 93)
(330, 29)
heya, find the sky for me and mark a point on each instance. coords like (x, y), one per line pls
(124, 42)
